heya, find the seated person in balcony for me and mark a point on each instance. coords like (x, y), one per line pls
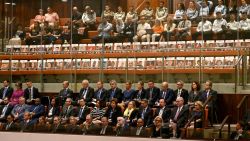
(219, 26)
(221, 8)
(130, 114)
(51, 16)
(83, 111)
(141, 34)
(5, 91)
(119, 14)
(101, 93)
(204, 28)
(98, 111)
(20, 33)
(108, 14)
(72, 127)
(194, 93)
(36, 110)
(113, 112)
(140, 93)
(145, 113)
(157, 30)
(240, 133)
(129, 29)
(31, 93)
(244, 26)
(139, 130)
(26, 124)
(57, 127)
(119, 31)
(132, 14)
(19, 109)
(41, 125)
(40, 18)
(67, 111)
(35, 30)
(88, 20)
(232, 27)
(5, 109)
(104, 30)
(178, 15)
(163, 111)
(167, 94)
(66, 92)
(244, 8)
(121, 127)
(10, 125)
(86, 92)
(128, 93)
(18, 92)
(76, 17)
(179, 117)
(52, 110)
(169, 28)
(105, 129)
(212, 104)
(204, 10)
(152, 94)
(196, 115)
(147, 12)
(181, 92)
(192, 12)
(114, 92)
(183, 29)
(159, 131)
(161, 12)
(209, 3)
(88, 127)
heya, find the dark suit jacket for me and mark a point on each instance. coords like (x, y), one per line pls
(165, 115)
(27, 127)
(169, 97)
(89, 95)
(212, 102)
(7, 112)
(85, 112)
(57, 129)
(35, 93)
(184, 95)
(182, 117)
(141, 96)
(67, 112)
(118, 94)
(155, 95)
(73, 129)
(143, 132)
(8, 92)
(55, 111)
(109, 131)
(122, 131)
(69, 94)
(92, 129)
(103, 96)
(44, 128)
(148, 116)
(13, 127)
(117, 112)
(193, 98)
(38, 110)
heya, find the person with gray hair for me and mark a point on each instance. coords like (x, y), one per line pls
(67, 110)
(115, 92)
(66, 92)
(86, 92)
(121, 128)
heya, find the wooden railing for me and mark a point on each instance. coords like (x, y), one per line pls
(205, 112)
(244, 101)
(225, 120)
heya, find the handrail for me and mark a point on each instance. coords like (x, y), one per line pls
(139, 6)
(222, 125)
(204, 111)
(243, 100)
(238, 61)
(237, 73)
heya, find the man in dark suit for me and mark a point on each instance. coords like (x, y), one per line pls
(240, 133)
(105, 128)
(139, 131)
(140, 93)
(211, 105)
(115, 92)
(86, 92)
(145, 113)
(153, 93)
(57, 127)
(31, 93)
(121, 128)
(100, 93)
(5, 110)
(10, 125)
(89, 128)
(83, 111)
(167, 94)
(179, 117)
(113, 112)
(36, 110)
(180, 92)
(66, 92)
(72, 127)
(6, 91)
(163, 111)
(26, 125)
(129, 29)
(67, 111)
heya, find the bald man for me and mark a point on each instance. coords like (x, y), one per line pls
(179, 117)
(66, 92)
(86, 92)
(166, 93)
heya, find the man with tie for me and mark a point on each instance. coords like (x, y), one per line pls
(88, 127)
(163, 111)
(212, 104)
(86, 92)
(72, 127)
(121, 128)
(57, 127)
(100, 93)
(19, 109)
(30, 93)
(114, 92)
(181, 92)
(105, 128)
(179, 117)
(5, 91)
(153, 93)
(26, 125)
(66, 92)
(67, 111)
(167, 94)
(5, 110)
(184, 28)
(139, 130)
(146, 113)
(36, 110)
(10, 125)
(83, 111)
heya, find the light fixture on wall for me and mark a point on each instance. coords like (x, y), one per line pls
(8, 3)
(64, 0)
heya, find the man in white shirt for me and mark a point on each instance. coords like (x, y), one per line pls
(141, 31)
(88, 20)
(244, 26)
(204, 28)
(232, 28)
(51, 17)
(119, 15)
(147, 12)
(244, 8)
(221, 8)
(183, 29)
(132, 14)
(161, 12)
(104, 30)
(219, 26)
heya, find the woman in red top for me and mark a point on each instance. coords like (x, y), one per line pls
(157, 30)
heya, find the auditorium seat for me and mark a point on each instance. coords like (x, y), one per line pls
(85, 41)
(64, 21)
(92, 34)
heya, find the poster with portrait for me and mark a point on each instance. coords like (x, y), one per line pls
(16, 49)
(109, 47)
(190, 45)
(247, 43)
(57, 49)
(170, 62)
(140, 63)
(24, 49)
(49, 49)
(150, 63)
(229, 44)
(33, 64)
(208, 62)
(65, 49)
(189, 62)
(153, 47)
(104, 63)
(112, 63)
(14, 65)
(41, 64)
(210, 45)
(99, 48)
(118, 47)
(199, 44)
(180, 62)
(78, 64)
(219, 62)
(180, 45)
(95, 63)
(8, 49)
(90, 48)
(122, 63)
(74, 48)
(67, 64)
(239, 43)
(5, 65)
(24, 65)
(229, 61)
(162, 46)
(127, 46)
(220, 44)
(32, 49)
(159, 63)
(199, 62)
(171, 46)
(40, 49)
(59, 64)
(82, 48)
(50, 64)
(131, 63)
(145, 47)
(86, 64)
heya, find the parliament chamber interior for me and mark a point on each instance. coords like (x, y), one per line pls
(143, 69)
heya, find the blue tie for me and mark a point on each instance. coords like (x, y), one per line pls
(99, 94)
(112, 94)
(4, 92)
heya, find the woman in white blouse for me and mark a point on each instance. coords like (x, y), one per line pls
(179, 12)
(168, 29)
(192, 12)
